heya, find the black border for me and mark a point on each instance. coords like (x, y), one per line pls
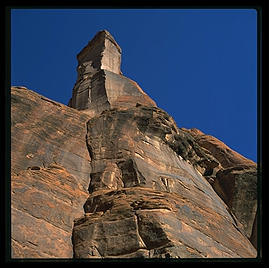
(7, 135)
(184, 4)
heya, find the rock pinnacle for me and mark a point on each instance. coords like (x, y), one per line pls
(100, 84)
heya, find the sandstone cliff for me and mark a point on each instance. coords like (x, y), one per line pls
(50, 174)
(112, 175)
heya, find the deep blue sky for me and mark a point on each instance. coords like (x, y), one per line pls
(199, 65)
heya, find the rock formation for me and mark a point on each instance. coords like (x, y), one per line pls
(50, 172)
(235, 181)
(112, 176)
(100, 84)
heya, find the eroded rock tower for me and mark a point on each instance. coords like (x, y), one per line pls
(130, 184)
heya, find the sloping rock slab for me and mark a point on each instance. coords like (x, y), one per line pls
(143, 223)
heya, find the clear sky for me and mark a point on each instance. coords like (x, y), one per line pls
(199, 65)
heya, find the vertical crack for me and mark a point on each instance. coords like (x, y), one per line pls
(138, 232)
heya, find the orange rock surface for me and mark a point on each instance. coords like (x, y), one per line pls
(112, 176)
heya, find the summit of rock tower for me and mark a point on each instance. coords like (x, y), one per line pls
(102, 52)
(100, 84)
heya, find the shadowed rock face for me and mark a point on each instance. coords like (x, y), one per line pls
(116, 178)
(236, 185)
(225, 155)
(235, 181)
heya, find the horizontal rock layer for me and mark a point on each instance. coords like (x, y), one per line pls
(138, 222)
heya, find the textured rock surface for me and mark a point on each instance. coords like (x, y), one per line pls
(141, 222)
(236, 185)
(235, 181)
(44, 132)
(45, 202)
(50, 174)
(100, 84)
(145, 199)
(119, 179)
(225, 155)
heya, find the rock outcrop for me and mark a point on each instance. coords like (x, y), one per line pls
(225, 155)
(50, 172)
(235, 181)
(100, 84)
(116, 178)
(144, 192)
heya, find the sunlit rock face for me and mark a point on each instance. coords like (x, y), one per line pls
(100, 84)
(112, 176)
(145, 199)
(50, 172)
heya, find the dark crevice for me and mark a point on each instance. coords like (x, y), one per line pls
(90, 150)
(131, 176)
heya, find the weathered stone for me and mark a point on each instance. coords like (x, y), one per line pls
(119, 179)
(50, 168)
(45, 203)
(142, 222)
(138, 174)
(225, 155)
(235, 180)
(43, 133)
(254, 234)
(102, 52)
(236, 185)
(100, 84)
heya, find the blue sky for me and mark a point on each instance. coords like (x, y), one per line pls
(199, 65)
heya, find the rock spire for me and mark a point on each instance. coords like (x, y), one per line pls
(102, 52)
(116, 178)
(100, 84)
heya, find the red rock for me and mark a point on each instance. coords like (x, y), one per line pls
(100, 84)
(116, 177)
(235, 181)
(145, 199)
(44, 204)
(50, 168)
(225, 155)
